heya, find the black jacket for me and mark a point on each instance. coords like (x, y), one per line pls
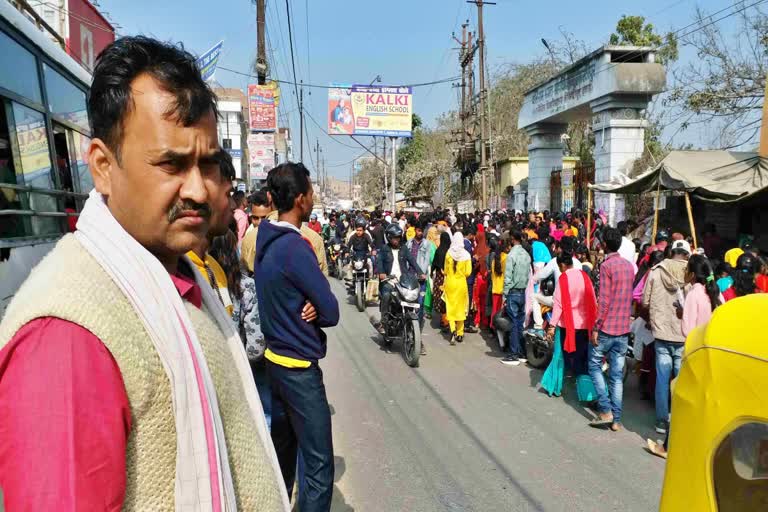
(385, 260)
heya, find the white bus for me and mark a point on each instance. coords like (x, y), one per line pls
(44, 135)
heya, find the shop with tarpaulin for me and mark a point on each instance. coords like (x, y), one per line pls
(695, 190)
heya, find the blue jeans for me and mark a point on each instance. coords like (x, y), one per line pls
(301, 423)
(668, 358)
(422, 294)
(260, 377)
(614, 348)
(516, 313)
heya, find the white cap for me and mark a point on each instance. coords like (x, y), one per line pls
(681, 244)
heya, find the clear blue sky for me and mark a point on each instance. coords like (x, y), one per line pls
(404, 41)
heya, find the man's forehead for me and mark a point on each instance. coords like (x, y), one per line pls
(153, 113)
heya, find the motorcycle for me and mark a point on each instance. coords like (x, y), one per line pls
(360, 277)
(401, 322)
(342, 261)
(334, 253)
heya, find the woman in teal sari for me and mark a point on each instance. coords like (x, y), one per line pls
(433, 235)
(573, 316)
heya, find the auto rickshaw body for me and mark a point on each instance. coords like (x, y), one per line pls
(718, 445)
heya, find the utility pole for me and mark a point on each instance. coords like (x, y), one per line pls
(317, 163)
(481, 49)
(261, 46)
(384, 158)
(394, 174)
(301, 122)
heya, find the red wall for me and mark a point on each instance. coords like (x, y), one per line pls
(89, 32)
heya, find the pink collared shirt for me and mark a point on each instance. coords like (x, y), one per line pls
(65, 417)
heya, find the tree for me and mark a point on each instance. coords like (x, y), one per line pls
(507, 93)
(424, 159)
(634, 31)
(371, 180)
(724, 86)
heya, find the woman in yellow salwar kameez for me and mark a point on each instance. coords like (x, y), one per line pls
(458, 267)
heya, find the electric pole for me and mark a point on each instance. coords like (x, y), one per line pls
(384, 159)
(301, 122)
(394, 174)
(317, 161)
(481, 49)
(261, 46)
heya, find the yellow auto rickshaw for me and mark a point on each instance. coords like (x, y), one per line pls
(718, 445)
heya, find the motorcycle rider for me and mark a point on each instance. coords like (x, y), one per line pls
(360, 244)
(393, 261)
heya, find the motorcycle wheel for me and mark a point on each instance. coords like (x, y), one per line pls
(339, 270)
(412, 343)
(537, 356)
(360, 296)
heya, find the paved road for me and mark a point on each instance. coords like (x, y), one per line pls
(465, 433)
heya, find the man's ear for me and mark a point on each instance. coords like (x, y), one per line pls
(102, 163)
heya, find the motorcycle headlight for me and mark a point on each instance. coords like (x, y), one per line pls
(411, 295)
(337, 247)
(358, 265)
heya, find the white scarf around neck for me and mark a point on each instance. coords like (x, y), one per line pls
(151, 292)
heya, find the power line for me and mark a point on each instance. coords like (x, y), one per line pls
(290, 42)
(334, 139)
(306, 17)
(351, 161)
(698, 28)
(318, 86)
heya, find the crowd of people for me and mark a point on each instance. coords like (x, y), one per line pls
(182, 323)
(586, 289)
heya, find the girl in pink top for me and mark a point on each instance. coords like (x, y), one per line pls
(703, 297)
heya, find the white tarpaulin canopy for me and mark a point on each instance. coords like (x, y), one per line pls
(721, 176)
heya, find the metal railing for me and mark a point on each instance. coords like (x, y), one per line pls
(21, 241)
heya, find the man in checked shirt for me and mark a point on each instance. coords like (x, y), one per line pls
(610, 336)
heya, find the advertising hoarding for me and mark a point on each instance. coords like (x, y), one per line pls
(370, 110)
(261, 149)
(207, 61)
(262, 107)
(89, 32)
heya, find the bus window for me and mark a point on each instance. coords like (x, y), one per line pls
(10, 225)
(740, 469)
(64, 99)
(19, 69)
(34, 167)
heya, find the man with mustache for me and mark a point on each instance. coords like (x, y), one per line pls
(123, 383)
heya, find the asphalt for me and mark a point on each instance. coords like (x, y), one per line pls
(465, 433)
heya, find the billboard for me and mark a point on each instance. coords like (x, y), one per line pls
(261, 149)
(89, 32)
(370, 110)
(262, 107)
(207, 61)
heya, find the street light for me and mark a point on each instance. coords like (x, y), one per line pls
(549, 49)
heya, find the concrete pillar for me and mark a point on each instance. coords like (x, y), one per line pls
(545, 152)
(619, 141)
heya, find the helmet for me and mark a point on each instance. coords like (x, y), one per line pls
(393, 230)
(662, 234)
(360, 222)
